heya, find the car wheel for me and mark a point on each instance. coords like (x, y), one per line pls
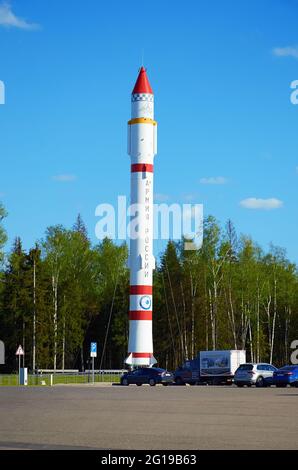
(239, 385)
(179, 381)
(260, 382)
(152, 382)
(296, 384)
(124, 382)
(139, 385)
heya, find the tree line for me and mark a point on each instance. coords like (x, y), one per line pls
(64, 293)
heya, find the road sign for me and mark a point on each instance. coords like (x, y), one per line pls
(93, 350)
(93, 354)
(20, 351)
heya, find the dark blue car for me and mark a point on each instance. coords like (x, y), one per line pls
(147, 375)
(287, 375)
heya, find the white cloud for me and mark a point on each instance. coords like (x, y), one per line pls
(161, 197)
(64, 178)
(10, 20)
(257, 203)
(289, 51)
(214, 180)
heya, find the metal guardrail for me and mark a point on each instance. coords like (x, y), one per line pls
(64, 378)
(57, 371)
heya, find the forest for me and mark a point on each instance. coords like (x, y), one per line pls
(65, 292)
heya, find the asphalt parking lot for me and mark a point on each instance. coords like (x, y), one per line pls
(115, 417)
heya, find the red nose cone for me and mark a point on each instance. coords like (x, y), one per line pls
(142, 84)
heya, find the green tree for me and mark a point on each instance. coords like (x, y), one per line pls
(111, 323)
(16, 302)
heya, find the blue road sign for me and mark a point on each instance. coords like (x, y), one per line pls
(93, 349)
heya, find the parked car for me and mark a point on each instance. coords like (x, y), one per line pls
(188, 373)
(287, 375)
(260, 375)
(147, 375)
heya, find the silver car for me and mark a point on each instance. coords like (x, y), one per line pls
(260, 375)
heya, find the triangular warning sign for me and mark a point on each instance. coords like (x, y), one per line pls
(20, 351)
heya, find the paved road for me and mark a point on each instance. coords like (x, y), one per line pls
(74, 417)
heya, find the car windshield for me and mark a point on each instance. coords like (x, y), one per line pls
(246, 367)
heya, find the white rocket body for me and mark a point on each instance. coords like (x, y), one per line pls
(142, 146)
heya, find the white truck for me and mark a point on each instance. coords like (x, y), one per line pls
(220, 366)
(211, 367)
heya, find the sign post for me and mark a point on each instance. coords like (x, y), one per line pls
(2, 353)
(20, 352)
(93, 354)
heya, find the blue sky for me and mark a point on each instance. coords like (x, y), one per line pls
(221, 72)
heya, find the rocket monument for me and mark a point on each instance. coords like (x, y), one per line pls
(142, 147)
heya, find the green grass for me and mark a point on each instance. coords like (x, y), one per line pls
(9, 379)
(73, 379)
(34, 380)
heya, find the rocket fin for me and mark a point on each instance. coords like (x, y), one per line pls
(152, 361)
(128, 360)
